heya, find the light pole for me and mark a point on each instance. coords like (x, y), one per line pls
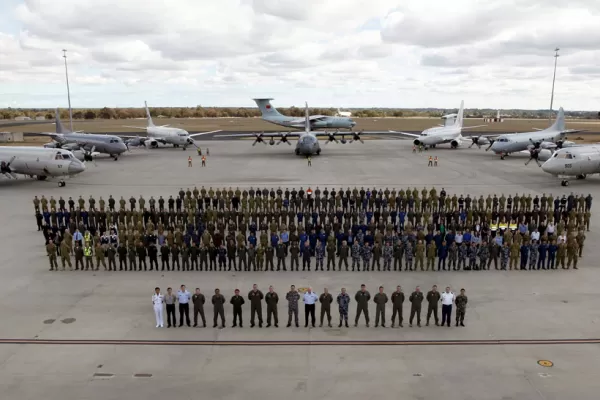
(68, 90)
(553, 79)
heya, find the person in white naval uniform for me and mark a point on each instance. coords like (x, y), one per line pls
(157, 301)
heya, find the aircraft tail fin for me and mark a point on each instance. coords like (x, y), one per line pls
(306, 118)
(559, 124)
(148, 116)
(59, 126)
(266, 109)
(459, 118)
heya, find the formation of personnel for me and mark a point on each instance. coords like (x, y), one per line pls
(362, 229)
(326, 300)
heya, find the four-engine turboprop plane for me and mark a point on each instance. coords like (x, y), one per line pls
(163, 134)
(308, 140)
(84, 145)
(313, 122)
(450, 132)
(40, 162)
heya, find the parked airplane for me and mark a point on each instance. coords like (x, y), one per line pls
(308, 141)
(577, 162)
(314, 122)
(163, 134)
(551, 137)
(450, 132)
(39, 162)
(83, 145)
(346, 114)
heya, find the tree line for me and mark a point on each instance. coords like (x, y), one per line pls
(251, 112)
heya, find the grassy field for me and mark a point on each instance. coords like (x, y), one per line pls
(256, 124)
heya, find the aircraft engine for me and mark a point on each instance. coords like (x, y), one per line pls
(343, 140)
(356, 136)
(151, 143)
(544, 154)
(70, 146)
(271, 142)
(136, 142)
(479, 141)
(331, 138)
(51, 145)
(454, 144)
(417, 142)
(548, 145)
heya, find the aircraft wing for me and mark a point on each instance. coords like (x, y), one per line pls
(134, 127)
(404, 133)
(471, 127)
(310, 118)
(204, 133)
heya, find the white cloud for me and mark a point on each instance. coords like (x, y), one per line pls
(343, 53)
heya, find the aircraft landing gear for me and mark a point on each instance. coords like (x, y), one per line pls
(297, 152)
(42, 177)
(319, 152)
(564, 183)
(582, 176)
(176, 146)
(62, 183)
(502, 156)
(115, 156)
(184, 148)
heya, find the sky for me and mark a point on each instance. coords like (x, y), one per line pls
(330, 53)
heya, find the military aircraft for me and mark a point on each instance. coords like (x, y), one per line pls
(39, 162)
(308, 140)
(577, 162)
(450, 132)
(314, 122)
(84, 145)
(549, 138)
(163, 134)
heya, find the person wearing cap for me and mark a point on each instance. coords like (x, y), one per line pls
(237, 301)
(157, 302)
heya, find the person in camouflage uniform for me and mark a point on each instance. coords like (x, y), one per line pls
(408, 257)
(472, 254)
(452, 256)
(366, 253)
(504, 256)
(461, 307)
(533, 254)
(343, 301)
(483, 254)
(319, 255)
(388, 253)
(462, 255)
(355, 254)
(398, 254)
(292, 297)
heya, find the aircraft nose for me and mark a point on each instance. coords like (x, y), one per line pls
(76, 167)
(551, 167)
(352, 123)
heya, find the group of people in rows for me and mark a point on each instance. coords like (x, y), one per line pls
(360, 229)
(256, 297)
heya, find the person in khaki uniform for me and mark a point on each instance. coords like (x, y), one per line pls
(51, 252)
(572, 254)
(272, 298)
(380, 299)
(431, 252)
(416, 300)
(99, 251)
(419, 255)
(397, 302)
(433, 298)
(198, 301)
(514, 256)
(65, 256)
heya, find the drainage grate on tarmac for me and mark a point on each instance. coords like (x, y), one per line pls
(142, 376)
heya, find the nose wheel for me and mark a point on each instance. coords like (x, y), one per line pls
(62, 183)
(564, 183)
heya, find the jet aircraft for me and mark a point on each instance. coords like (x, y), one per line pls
(313, 122)
(84, 145)
(549, 138)
(308, 140)
(39, 162)
(163, 134)
(450, 132)
(577, 161)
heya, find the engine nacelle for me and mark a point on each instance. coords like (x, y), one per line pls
(417, 142)
(483, 140)
(454, 144)
(51, 145)
(547, 145)
(544, 155)
(151, 143)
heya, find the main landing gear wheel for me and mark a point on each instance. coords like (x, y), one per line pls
(297, 152)
(565, 183)
(502, 157)
(61, 184)
(318, 152)
(184, 148)
(582, 176)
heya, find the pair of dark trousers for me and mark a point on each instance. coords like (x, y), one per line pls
(446, 313)
(171, 315)
(184, 309)
(309, 309)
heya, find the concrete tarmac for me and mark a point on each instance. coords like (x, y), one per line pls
(108, 347)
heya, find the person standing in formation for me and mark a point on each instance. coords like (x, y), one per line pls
(310, 298)
(447, 301)
(157, 302)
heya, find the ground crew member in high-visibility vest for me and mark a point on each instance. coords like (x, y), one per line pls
(309, 161)
(199, 151)
(87, 253)
(204, 160)
(435, 161)
(430, 161)
(189, 161)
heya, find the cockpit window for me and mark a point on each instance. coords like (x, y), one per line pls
(567, 156)
(181, 134)
(66, 157)
(503, 140)
(58, 156)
